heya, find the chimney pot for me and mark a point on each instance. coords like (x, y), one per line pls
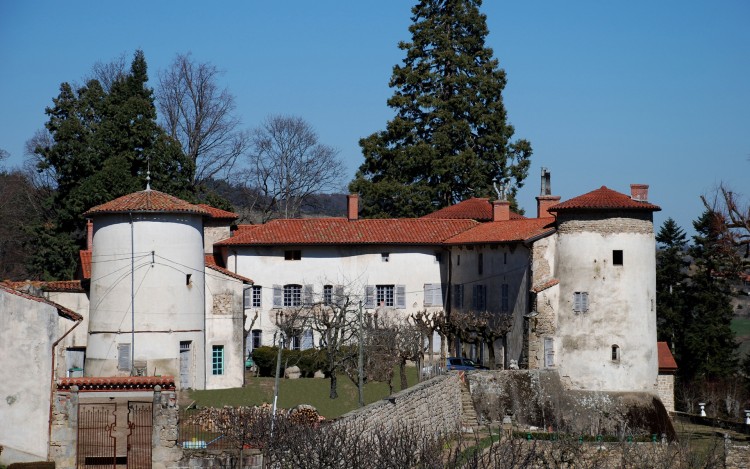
(352, 207)
(639, 192)
(500, 210)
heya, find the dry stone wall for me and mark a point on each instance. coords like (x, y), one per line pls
(606, 223)
(433, 406)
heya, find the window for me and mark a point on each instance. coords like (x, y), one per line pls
(292, 255)
(296, 340)
(549, 352)
(292, 295)
(257, 335)
(617, 257)
(615, 353)
(480, 263)
(505, 258)
(385, 256)
(458, 296)
(123, 357)
(580, 301)
(385, 295)
(479, 297)
(307, 339)
(504, 303)
(327, 294)
(438, 257)
(433, 294)
(458, 259)
(217, 360)
(252, 296)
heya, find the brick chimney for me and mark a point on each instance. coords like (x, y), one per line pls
(543, 203)
(639, 192)
(89, 234)
(500, 210)
(352, 207)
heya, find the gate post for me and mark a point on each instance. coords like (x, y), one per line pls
(165, 450)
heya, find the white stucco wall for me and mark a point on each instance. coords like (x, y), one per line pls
(352, 267)
(621, 309)
(28, 329)
(224, 327)
(76, 340)
(501, 264)
(169, 305)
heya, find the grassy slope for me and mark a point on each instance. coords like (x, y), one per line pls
(299, 391)
(741, 329)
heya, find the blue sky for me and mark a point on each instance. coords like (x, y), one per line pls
(609, 93)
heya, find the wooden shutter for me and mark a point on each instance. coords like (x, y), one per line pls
(278, 296)
(504, 298)
(247, 297)
(370, 296)
(458, 296)
(401, 296)
(123, 357)
(584, 301)
(338, 295)
(307, 296)
(428, 294)
(549, 352)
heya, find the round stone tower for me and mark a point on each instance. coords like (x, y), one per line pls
(606, 319)
(147, 288)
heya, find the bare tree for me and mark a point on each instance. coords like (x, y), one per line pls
(479, 328)
(733, 220)
(200, 115)
(108, 73)
(336, 324)
(287, 164)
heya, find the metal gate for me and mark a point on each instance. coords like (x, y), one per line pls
(105, 443)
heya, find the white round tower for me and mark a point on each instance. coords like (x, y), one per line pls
(147, 288)
(606, 266)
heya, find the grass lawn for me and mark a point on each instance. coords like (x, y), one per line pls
(741, 329)
(300, 391)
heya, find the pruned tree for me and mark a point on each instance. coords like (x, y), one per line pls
(409, 347)
(380, 341)
(200, 115)
(479, 328)
(286, 165)
(429, 323)
(336, 324)
(450, 136)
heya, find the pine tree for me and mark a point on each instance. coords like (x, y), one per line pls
(103, 144)
(671, 278)
(708, 349)
(449, 137)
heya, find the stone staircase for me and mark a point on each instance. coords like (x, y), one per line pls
(469, 422)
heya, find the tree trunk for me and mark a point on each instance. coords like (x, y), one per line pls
(333, 394)
(402, 372)
(491, 353)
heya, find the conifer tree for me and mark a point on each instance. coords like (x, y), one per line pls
(450, 135)
(671, 278)
(708, 349)
(102, 144)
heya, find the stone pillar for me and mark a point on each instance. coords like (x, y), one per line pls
(64, 429)
(165, 450)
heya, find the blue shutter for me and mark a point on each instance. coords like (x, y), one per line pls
(401, 296)
(370, 296)
(278, 300)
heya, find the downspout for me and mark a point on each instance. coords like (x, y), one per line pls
(52, 384)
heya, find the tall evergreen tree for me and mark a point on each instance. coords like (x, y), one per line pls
(708, 349)
(450, 136)
(102, 144)
(671, 278)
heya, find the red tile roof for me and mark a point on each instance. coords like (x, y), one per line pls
(211, 264)
(543, 286)
(218, 213)
(146, 201)
(72, 286)
(61, 310)
(603, 199)
(85, 256)
(307, 231)
(476, 208)
(667, 362)
(505, 231)
(118, 383)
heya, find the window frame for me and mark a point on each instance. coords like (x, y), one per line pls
(618, 258)
(580, 301)
(291, 295)
(217, 360)
(327, 295)
(385, 294)
(256, 338)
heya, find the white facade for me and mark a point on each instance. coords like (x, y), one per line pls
(225, 355)
(28, 332)
(351, 269)
(606, 315)
(156, 262)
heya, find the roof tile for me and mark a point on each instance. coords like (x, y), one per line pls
(118, 383)
(603, 199)
(147, 201)
(667, 362)
(217, 213)
(309, 231)
(85, 256)
(211, 264)
(476, 208)
(505, 231)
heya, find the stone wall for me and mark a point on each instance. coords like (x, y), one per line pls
(606, 222)
(433, 406)
(736, 456)
(665, 390)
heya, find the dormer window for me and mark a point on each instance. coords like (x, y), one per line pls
(292, 255)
